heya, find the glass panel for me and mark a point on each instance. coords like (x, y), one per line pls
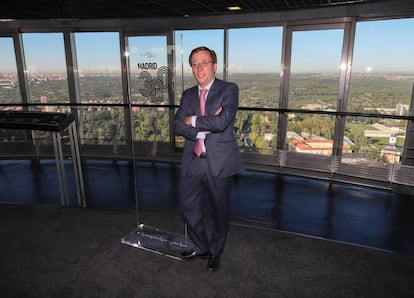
(46, 66)
(256, 69)
(148, 69)
(315, 65)
(99, 67)
(185, 42)
(9, 81)
(374, 141)
(381, 83)
(309, 133)
(382, 79)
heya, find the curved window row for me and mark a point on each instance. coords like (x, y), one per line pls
(325, 99)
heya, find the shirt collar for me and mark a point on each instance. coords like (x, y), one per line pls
(207, 87)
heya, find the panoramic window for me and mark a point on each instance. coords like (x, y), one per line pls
(9, 81)
(381, 83)
(99, 72)
(46, 68)
(9, 90)
(314, 81)
(47, 76)
(256, 70)
(314, 76)
(99, 67)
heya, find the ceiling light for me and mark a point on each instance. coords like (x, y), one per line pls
(233, 8)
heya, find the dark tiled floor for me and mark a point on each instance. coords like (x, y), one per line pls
(340, 212)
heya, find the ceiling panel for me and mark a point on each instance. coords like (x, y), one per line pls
(89, 9)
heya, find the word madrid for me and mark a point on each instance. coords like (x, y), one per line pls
(142, 65)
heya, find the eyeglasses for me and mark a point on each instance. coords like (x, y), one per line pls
(202, 63)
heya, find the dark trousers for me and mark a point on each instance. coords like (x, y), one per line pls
(193, 190)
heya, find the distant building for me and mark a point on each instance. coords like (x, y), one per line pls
(320, 146)
(313, 106)
(391, 153)
(293, 135)
(401, 109)
(43, 100)
(382, 131)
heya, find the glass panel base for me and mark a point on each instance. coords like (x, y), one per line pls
(158, 241)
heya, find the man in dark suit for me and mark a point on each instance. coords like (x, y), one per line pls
(212, 169)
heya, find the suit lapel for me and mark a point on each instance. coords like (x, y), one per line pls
(211, 98)
(196, 102)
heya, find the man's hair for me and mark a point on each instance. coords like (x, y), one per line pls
(213, 55)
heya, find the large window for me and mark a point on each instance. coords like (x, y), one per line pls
(99, 67)
(46, 68)
(256, 70)
(314, 83)
(47, 77)
(381, 83)
(254, 64)
(9, 89)
(317, 96)
(315, 65)
(99, 73)
(9, 82)
(382, 67)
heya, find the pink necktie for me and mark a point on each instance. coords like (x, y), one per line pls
(198, 149)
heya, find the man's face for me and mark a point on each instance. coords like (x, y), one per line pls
(203, 68)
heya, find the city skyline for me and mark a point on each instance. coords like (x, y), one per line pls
(380, 46)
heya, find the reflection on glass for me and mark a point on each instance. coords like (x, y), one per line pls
(312, 134)
(185, 42)
(9, 81)
(256, 68)
(148, 69)
(99, 67)
(316, 57)
(46, 66)
(374, 141)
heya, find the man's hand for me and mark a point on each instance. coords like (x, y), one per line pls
(187, 120)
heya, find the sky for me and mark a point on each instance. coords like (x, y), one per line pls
(380, 46)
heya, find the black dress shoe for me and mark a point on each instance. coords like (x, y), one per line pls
(213, 263)
(189, 255)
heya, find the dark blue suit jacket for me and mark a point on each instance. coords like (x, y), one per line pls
(223, 152)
